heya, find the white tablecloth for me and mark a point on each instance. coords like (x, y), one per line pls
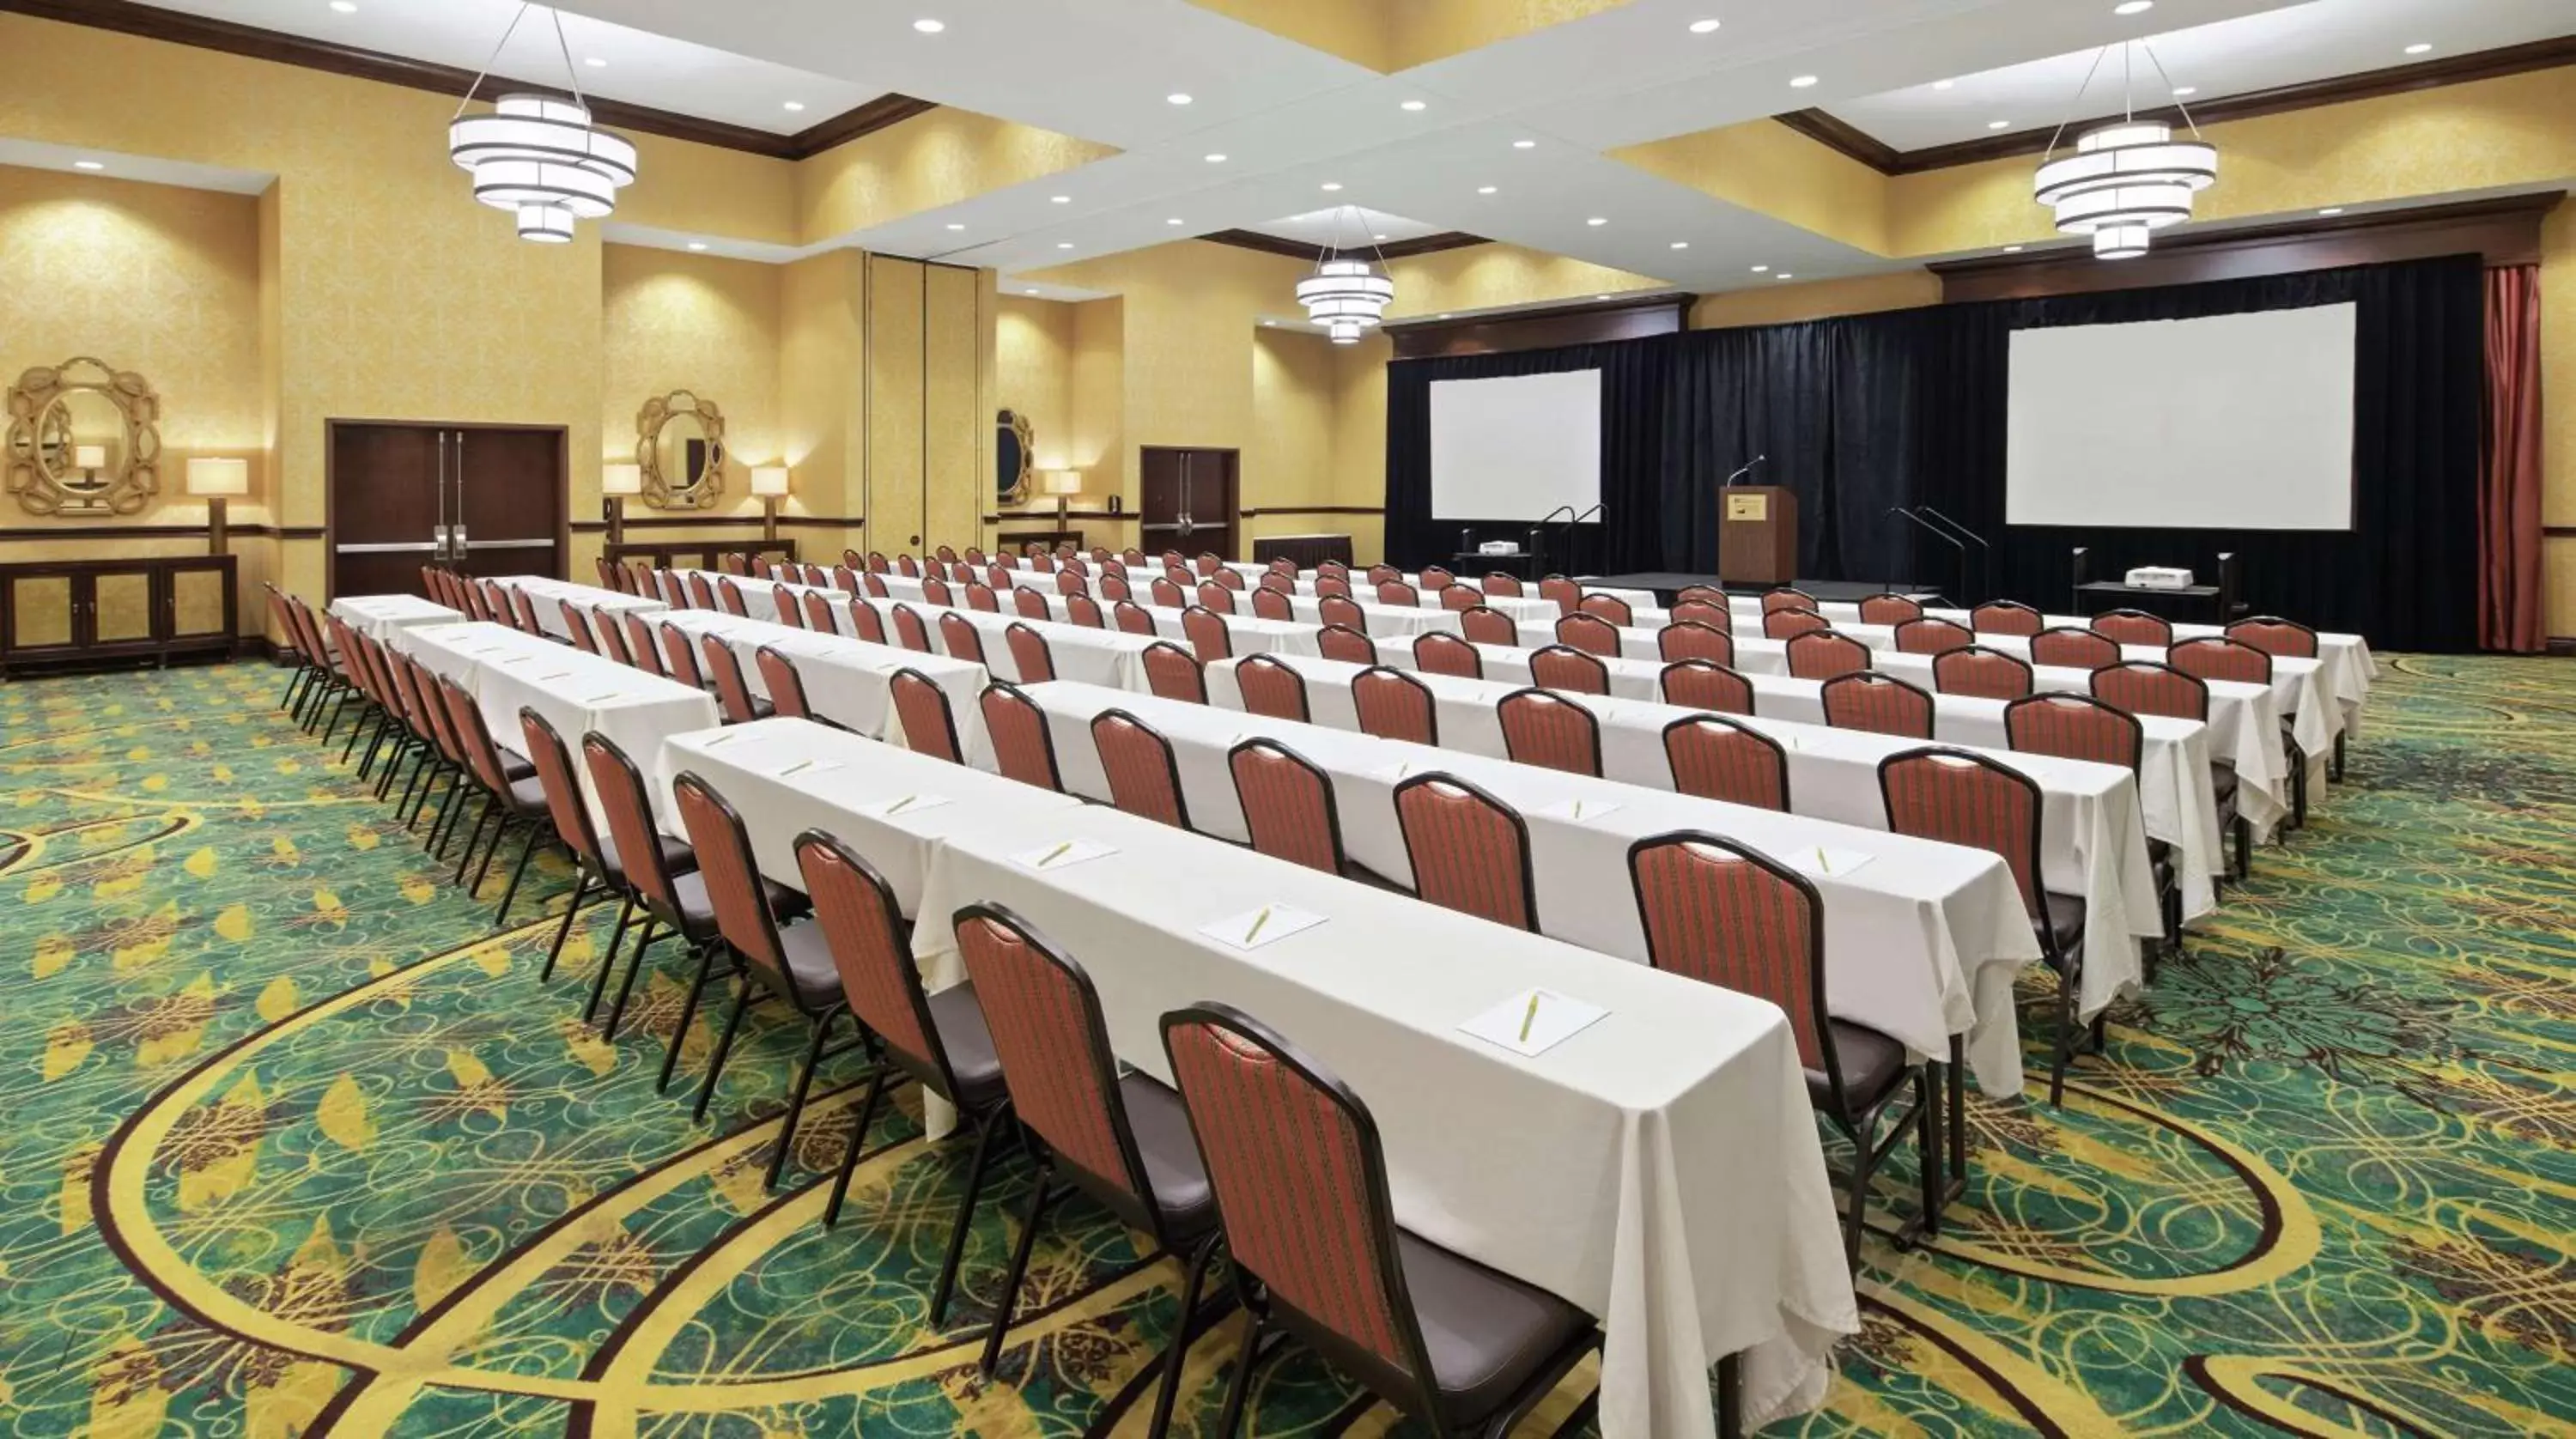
(1107, 657)
(846, 680)
(2092, 837)
(379, 616)
(576, 692)
(544, 592)
(1922, 942)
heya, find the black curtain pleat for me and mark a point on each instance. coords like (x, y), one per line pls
(1863, 414)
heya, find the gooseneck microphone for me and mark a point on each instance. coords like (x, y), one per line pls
(1749, 468)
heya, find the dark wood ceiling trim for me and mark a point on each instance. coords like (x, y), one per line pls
(1835, 133)
(1300, 250)
(2337, 90)
(2503, 231)
(126, 17)
(1620, 318)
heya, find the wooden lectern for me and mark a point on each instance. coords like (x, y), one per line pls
(1757, 535)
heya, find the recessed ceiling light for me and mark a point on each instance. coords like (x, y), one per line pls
(1681, 244)
(594, 62)
(2133, 7)
(955, 226)
(1377, 237)
(1064, 244)
(1173, 221)
(1998, 124)
(1801, 82)
(1784, 275)
(2012, 249)
(1598, 220)
(1600, 297)
(1702, 27)
(2331, 210)
(928, 26)
(1028, 292)
(1484, 189)
(1413, 105)
(1524, 144)
(1440, 317)
(2186, 90)
(87, 165)
(1943, 84)
(345, 7)
(1214, 159)
(1061, 199)
(1178, 98)
(1758, 269)
(1332, 184)
(697, 244)
(2419, 47)
(795, 104)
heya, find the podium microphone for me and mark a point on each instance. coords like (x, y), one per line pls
(1740, 474)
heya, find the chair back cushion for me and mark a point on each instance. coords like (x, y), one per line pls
(1270, 687)
(786, 687)
(1047, 1032)
(958, 635)
(2143, 687)
(1822, 654)
(1143, 778)
(1967, 799)
(921, 707)
(1563, 667)
(2066, 647)
(1543, 729)
(1693, 640)
(1208, 636)
(1350, 646)
(2004, 617)
(1728, 917)
(1029, 653)
(1720, 759)
(1174, 673)
(1394, 705)
(2074, 727)
(1469, 851)
(1441, 653)
(1881, 704)
(1287, 805)
(872, 953)
(1985, 673)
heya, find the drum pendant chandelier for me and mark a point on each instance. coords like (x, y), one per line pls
(538, 156)
(2126, 179)
(1345, 295)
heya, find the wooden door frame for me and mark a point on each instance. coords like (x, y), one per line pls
(1233, 522)
(331, 485)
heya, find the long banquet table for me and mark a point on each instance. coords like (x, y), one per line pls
(544, 592)
(1707, 1223)
(847, 681)
(2092, 831)
(380, 617)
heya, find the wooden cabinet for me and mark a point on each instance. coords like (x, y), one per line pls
(68, 614)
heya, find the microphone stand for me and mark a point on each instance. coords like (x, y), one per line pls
(1538, 541)
(1944, 536)
(1573, 532)
(1986, 552)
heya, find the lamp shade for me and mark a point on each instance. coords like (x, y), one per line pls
(89, 457)
(217, 476)
(1062, 482)
(769, 481)
(621, 479)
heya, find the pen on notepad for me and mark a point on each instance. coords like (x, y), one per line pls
(1578, 809)
(896, 808)
(1258, 921)
(1051, 854)
(793, 768)
(1529, 1016)
(1821, 862)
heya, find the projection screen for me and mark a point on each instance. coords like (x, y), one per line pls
(2240, 422)
(1517, 447)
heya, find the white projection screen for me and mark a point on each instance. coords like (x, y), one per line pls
(2237, 422)
(1515, 448)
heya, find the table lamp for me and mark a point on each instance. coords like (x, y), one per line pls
(1064, 485)
(616, 482)
(216, 479)
(769, 482)
(89, 460)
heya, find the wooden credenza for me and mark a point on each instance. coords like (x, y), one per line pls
(94, 614)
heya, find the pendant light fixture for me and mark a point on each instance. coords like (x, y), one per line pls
(1346, 295)
(538, 156)
(2126, 179)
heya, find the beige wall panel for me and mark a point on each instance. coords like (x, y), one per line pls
(671, 320)
(894, 355)
(957, 479)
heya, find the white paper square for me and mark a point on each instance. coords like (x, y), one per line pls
(1256, 927)
(1826, 861)
(903, 806)
(1557, 1019)
(608, 698)
(1580, 811)
(1048, 858)
(805, 767)
(719, 739)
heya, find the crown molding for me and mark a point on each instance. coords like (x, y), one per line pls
(1300, 250)
(250, 41)
(1840, 135)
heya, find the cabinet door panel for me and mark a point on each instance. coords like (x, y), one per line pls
(121, 607)
(40, 612)
(197, 603)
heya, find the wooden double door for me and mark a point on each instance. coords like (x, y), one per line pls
(1189, 501)
(481, 499)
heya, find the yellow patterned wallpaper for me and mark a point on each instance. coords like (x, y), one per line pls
(1098, 393)
(822, 392)
(930, 160)
(1780, 304)
(1767, 167)
(670, 320)
(1484, 276)
(1289, 460)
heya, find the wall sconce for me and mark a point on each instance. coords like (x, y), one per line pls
(89, 460)
(769, 482)
(1064, 485)
(616, 482)
(217, 479)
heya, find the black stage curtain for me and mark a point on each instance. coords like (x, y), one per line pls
(1907, 408)
(2405, 574)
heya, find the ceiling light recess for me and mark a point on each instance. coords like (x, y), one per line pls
(1703, 27)
(539, 156)
(928, 26)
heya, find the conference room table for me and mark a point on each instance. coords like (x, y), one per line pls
(1705, 1225)
(378, 617)
(545, 593)
(2093, 841)
(2177, 800)
(1922, 939)
(1100, 656)
(577, 692)
(847, 681)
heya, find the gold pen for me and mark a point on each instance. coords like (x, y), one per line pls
(793, 768)
(1258, 921)
(1051, 854)
(896, 808)
(1578, 809)
(1529, 1017)
(1821, 862)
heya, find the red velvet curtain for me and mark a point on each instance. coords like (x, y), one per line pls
(2509, 529)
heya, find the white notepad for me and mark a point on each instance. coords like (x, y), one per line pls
(1256, 927)
(1048, 858)
(1516, 1026)
(1826, 860)
(612, 695)
(1578, 810)
(902, 805)
(805, 767)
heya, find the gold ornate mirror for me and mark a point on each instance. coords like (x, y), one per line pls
(1012, 438)
(84, 438)
(679, 444)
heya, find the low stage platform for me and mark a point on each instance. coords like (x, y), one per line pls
(1667, 583)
